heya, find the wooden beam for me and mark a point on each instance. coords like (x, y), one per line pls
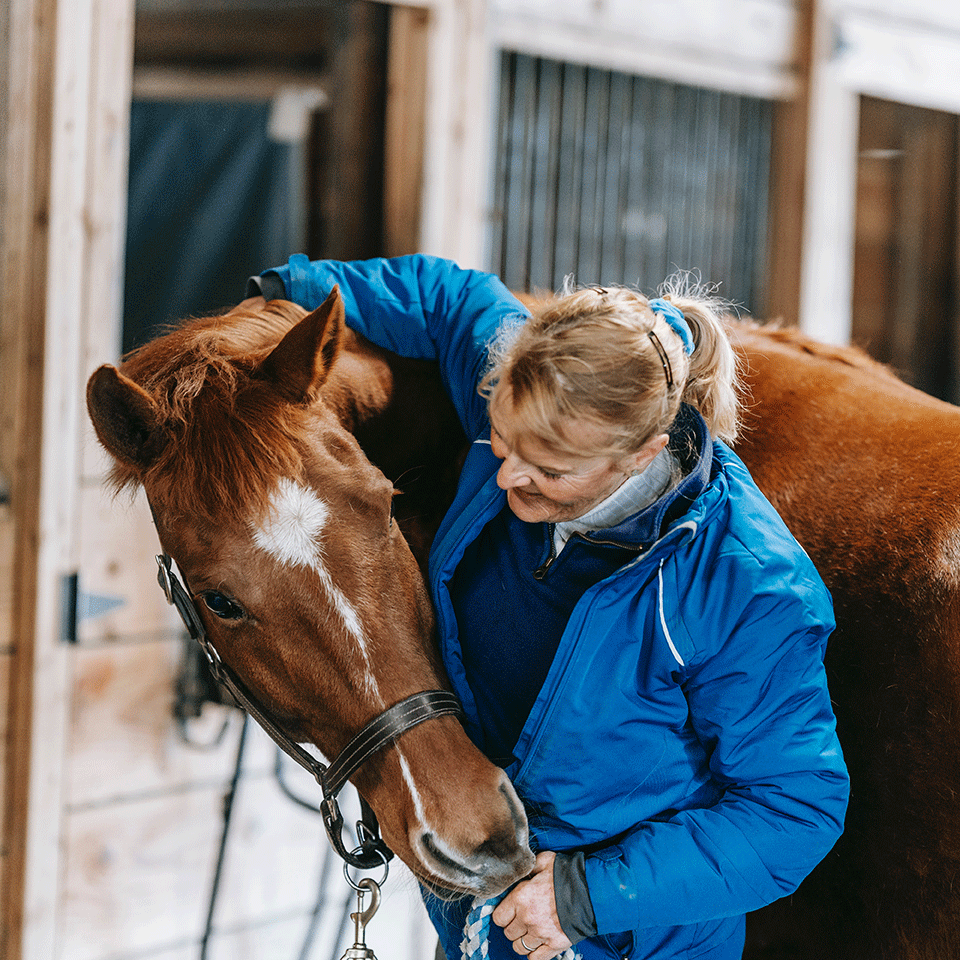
(405, 130)
(788, 151)
(199, 83)
(64, 213)
(272, 37)
(826, 277)
(26, 173)
(346, 219)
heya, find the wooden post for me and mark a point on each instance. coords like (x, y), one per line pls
(788, 181)
(347, 222)
(26, 174)
(405, 130)
(64, 202)
(826, 278)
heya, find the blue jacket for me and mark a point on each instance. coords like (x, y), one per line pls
(684, 737)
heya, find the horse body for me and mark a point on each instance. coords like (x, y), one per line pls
(240, 431)
(862, 467)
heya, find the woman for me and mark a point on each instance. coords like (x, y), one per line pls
(634, 634)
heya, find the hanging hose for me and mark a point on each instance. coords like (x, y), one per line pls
(228, 799)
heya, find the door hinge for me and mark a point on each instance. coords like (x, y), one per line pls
(78, 606)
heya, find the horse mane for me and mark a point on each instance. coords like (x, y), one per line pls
(226, 436)
(793, 339)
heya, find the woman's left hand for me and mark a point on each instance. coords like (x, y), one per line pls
(530, 911)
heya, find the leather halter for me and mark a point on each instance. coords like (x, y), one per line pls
(377, 734)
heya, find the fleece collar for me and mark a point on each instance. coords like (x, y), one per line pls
(691, 444)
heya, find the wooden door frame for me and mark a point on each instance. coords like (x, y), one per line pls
(64, 171)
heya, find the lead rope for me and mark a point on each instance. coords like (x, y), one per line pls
(476, 932)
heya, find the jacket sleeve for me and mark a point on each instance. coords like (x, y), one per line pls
(416, 306)
(758, 702)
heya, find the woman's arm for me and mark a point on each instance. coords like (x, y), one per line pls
(416, 306)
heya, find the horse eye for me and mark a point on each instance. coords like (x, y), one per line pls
(222, 607)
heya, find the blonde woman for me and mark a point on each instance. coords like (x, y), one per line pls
(634, 634)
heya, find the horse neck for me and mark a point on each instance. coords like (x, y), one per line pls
(406, 425)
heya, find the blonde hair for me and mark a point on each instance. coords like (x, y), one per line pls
(602, 354)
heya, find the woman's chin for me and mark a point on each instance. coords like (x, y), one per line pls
(529, 509)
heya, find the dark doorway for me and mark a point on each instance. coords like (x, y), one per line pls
(906, 262)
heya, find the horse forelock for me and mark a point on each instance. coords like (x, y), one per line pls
(228, 439)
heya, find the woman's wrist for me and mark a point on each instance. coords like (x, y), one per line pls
(574, 909)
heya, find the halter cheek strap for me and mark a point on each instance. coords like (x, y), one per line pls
(380, 732)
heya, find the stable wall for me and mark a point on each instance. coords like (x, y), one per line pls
(110, 822)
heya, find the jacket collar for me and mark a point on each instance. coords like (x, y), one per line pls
(691, 444)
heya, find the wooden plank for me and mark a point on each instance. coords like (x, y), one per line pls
(118, 544)
(25, 172)
(124, 742)
(405, 127)
(271, 34)
(826, 280)
(196, 83)
(73, 215)
(742, 46)
(457, 146)
(139, 876)
(788, 182)
(899, 59)
(347, 196)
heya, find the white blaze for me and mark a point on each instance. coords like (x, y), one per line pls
(291, 533)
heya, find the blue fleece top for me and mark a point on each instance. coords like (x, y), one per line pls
(682, 739)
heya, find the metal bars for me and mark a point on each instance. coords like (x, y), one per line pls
(624, 179)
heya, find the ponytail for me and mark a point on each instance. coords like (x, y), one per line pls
(713, 377)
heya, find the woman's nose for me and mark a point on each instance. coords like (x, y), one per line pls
(512, 473)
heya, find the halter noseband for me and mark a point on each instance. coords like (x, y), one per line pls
(377, 734)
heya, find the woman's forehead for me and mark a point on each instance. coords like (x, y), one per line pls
(576, 440)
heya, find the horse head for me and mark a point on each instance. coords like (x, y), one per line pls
(240, 429)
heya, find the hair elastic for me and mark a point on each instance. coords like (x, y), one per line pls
(676, 321)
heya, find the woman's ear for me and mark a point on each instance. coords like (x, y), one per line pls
(639, 461)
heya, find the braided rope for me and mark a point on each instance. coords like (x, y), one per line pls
(476, 932)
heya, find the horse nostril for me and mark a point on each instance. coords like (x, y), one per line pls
(502, 847)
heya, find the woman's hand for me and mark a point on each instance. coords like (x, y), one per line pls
(530, 911)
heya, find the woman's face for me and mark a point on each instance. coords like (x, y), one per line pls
(548, 485)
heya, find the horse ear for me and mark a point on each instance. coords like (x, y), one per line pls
(125, 417)
(299, 364)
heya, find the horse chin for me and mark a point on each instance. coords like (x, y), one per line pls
(444, 890)
(440, 890)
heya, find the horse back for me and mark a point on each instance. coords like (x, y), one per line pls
(864, 470)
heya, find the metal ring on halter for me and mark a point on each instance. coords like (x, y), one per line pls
(346, 869)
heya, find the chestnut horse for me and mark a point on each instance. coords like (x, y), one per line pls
(865, 471)
(862, 467)
(243, 431)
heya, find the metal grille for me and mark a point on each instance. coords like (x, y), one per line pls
(621, 179)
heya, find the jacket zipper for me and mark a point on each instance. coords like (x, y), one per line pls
(541, 571)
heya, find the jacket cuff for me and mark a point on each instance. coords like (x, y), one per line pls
(268, 285)
(574, 909)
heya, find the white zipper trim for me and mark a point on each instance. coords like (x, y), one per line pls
(663, 618)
